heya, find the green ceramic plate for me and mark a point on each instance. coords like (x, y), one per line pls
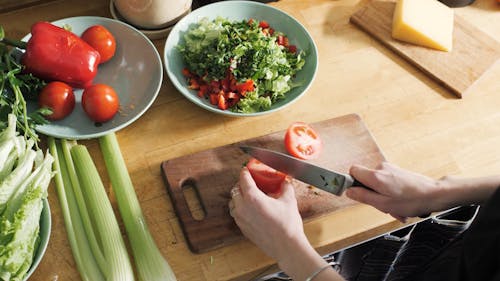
(45, 227)
(239, 10)
(135, 72)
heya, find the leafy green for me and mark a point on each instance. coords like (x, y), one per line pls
(212, 47)
(23, 185)
(15, 88)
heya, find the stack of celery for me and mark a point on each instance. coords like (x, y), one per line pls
(25, 174)
(94, 235)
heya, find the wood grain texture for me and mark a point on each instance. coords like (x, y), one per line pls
(11, 5)
(473, 53)
(215, 171)
(417, 123)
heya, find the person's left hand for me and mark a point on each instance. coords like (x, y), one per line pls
(273, 224)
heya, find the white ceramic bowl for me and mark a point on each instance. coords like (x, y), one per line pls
(242, 10)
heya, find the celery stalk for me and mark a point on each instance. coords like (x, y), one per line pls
(85, 262)
(107, 229)
(150, 263)
(82, 207)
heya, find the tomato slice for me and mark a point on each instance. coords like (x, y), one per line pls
(266, 178)
(302, 141)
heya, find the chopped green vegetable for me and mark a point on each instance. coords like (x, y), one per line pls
(150, 264)
(23, 186)
(211, 48)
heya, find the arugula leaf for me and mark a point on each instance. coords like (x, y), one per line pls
(15, 88)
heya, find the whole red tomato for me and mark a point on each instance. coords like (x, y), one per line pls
(58, 97)
(102, 40)
(100, 102)
(266, 178)
(302, 141)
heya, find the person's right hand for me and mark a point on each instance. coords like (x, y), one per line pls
(395, 191)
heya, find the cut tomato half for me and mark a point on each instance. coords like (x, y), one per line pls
(302, 141)
(266, 178)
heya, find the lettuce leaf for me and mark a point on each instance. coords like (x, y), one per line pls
(211, 48)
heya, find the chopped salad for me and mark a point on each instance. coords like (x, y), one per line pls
(243, 66)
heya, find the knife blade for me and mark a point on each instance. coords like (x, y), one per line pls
(327, 180)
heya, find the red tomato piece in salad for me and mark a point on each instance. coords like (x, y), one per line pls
(302, 141)
(266, 178)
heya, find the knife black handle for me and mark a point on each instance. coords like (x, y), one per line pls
(358, 183)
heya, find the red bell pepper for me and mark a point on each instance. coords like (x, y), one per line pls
(53, 53)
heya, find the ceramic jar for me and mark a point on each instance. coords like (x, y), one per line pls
(152, 14)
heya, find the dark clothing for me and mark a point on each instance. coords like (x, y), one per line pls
(475, 254)
(450, 248)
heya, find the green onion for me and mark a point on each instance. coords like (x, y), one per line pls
(106, 225)
(150, 263)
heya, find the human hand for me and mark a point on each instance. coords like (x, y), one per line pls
(395, 191)
(273, 224)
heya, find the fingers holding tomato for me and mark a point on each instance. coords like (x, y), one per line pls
(100, 102)
(266, 178)
(101, 40)
(59, 98)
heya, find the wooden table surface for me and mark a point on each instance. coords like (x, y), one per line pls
(418, 125)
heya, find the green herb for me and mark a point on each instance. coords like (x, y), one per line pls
(211, 48)
(15, 88)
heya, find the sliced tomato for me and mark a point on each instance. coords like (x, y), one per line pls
(203, 91)
(244, 87)
(282, 40)
(263, 24)
(302, 141)
(214, 98)
(232, 98)
(187, 73)
(222, 101)
(266, 178)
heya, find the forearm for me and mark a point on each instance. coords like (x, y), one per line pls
(303, 261)
(455, 191)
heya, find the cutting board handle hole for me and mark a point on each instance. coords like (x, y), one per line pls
(192, 197)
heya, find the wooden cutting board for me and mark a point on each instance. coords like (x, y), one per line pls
(473, 53)
(212, 173)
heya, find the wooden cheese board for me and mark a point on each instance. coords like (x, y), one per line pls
(473, 53)
(212, 173)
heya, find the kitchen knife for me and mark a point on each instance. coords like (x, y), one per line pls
(327, 180)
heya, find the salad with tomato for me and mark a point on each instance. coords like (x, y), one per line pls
(243, 66)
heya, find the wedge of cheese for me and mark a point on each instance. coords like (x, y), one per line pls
(426, 23)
